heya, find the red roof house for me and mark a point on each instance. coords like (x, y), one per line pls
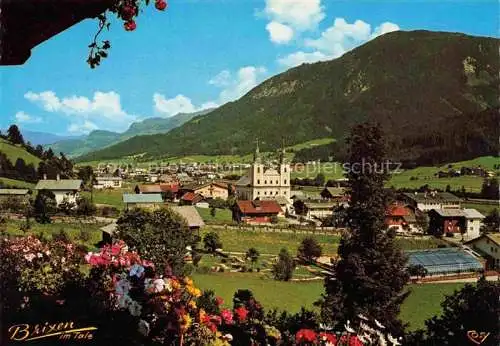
(400, 216)
(257, 211)
(191, 198)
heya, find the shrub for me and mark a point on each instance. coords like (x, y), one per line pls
(309, 249)
(61, 235)
(212, 242)
(283, 269)
(203, 270)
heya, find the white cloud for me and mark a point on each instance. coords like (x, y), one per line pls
(23, 117)
(279, 33)
(222, 79)
(233, 87)
(384, 28)
(301, 57)
(173, 106)
(245, 79)
(103, 109)
(84, 127)
(336, 40)
(299, 14)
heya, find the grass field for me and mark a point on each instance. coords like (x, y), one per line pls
(112, 197)
(14, 152)
(273, 242)
(72, 229)
(423, 302)
(16, 183)
(221, 215)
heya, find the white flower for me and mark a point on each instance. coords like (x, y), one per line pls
(362, 339)
(367, 337)
(39, 255)
(144, 327)
(228, 337)
(47, 252)
(325, 327)
(363, 317)
(348, 327)
(158, 285)
(379, 324)
(29, 257)
(393, 340)
(136, 270)
(135, 308)
(365, 327)
(381, 340)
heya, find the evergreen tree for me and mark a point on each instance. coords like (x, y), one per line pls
(370, 276)
(309, 249)
(44, 206)
(284, 267)
(14, 135)
(38, 151)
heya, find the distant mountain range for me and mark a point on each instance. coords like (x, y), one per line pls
(99, 139)
(42, 138)
(434, 93)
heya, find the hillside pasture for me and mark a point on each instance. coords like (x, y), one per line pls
(14, 152)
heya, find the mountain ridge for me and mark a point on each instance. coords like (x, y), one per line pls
(102, 138)
(416, 84)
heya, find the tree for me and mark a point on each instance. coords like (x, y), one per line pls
(473, 308)
(212, 242)
(489, 189)
(300, 207)
(284, 267)
(309, 249)
(45, 205)
(417, 270)
(86, 174)
(253, 255)
(160, 236)
(491, 223)
(66, 207)
(213, 212)
(84, 207)
(14, 135)
(320, 179)
(371, 275)
(422, 220)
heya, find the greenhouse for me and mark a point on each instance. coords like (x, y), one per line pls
(445, 261)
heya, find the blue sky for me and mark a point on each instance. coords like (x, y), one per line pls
(203, 53)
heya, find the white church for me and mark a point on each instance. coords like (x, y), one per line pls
(263, 181)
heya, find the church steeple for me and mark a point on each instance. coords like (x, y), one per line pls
(256, 154)
(282, 151)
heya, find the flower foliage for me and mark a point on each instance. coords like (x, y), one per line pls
(126, 11)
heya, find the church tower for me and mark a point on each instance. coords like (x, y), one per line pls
(284, 170)
(257, 167)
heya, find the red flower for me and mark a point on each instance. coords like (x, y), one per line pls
(241, 313)
(227, 316)
(305, 335)
(161, 5)
(130, 25)
(127, 12)
(354, 341)
(216, 319)
(327, 337)
(219, 301)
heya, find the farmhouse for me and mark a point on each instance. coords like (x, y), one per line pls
(488, 245)
(426, 201)
(191, 215)
(210, 190)
(401, 217)
(17, 193)
(191, 198)
(108, 183)
(333, 193)
(453, 221)
(146, 201)
(257, 211)
(264, 181)
(319, 210)
(63, 189)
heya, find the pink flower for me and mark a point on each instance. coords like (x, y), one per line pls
(227, 316)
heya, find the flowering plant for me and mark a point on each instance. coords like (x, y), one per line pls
(126, 11)
(165, 305)
(368, 333)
